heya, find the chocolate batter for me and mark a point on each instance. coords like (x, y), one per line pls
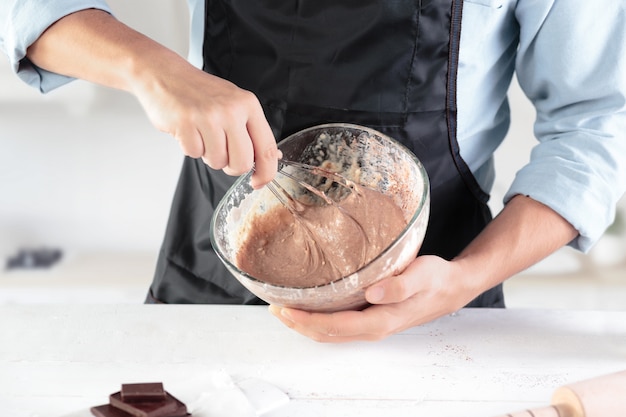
(322, 242)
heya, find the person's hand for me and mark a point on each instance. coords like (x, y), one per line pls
(429, 288)
(523, 233)
(211, 118)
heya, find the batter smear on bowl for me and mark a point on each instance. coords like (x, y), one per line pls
(323, 243)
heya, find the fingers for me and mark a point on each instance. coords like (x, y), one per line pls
(238, 137)
(239, 150)
(266, 153)
(427, 289)
(215, 120)
(373, 323)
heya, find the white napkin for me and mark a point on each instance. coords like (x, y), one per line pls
(263, 396)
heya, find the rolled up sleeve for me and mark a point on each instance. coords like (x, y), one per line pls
(21, 24)
(572, 65)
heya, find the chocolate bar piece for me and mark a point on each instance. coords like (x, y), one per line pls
(166, 407)
(108, 410)
(152, 391)
(141, 400)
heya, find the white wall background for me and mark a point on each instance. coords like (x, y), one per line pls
(82, 168)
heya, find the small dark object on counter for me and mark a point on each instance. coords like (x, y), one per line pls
(141, 400)
(34, 259)
(168, 406)
(107, 410)
(142, 392)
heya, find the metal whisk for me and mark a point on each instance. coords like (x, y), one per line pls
(316, 186)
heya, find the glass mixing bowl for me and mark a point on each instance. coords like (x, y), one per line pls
(361, 154)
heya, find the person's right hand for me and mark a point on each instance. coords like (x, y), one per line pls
(211, 118)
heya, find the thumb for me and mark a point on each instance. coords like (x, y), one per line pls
(405, 285)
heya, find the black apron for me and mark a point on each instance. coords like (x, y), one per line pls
(387, 64)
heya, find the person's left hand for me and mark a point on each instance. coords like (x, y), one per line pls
(430, 287)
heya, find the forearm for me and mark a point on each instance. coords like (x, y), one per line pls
(94, 46)
(524, 233)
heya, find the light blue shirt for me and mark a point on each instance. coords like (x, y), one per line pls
(569, 57)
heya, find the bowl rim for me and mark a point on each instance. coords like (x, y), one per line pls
(245, 178)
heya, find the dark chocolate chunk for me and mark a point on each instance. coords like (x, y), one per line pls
(152, 391)
(167, 407)
(107, 410)
(141, 400)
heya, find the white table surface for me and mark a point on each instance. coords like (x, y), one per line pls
(57, 359)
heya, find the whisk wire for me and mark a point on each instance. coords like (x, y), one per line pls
(296, 207)
(293, 206)
(338, 179)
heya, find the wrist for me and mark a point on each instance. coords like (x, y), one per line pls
(524, 233)
(473, 276)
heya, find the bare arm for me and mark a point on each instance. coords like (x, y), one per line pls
(524, 233)
(210, 117)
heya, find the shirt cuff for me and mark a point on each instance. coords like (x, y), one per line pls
(583, 191)
(24, 23)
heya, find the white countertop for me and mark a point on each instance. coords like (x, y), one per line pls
(57, 360)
